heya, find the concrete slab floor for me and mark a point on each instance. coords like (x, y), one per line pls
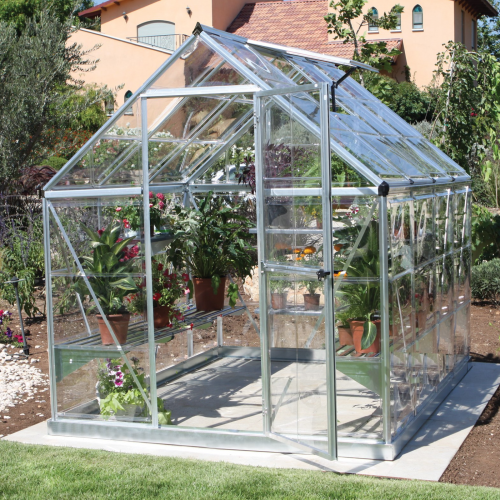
(425, 457)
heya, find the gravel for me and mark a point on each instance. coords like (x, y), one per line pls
(19, 380)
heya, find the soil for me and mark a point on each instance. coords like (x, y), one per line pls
(478, 460)
(476, 463)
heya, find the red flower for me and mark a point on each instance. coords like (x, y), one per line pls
(191, 326)
(157, 296)
(151, 195)
(100, 231)
(160, 267)
(161, 205)
(118, 209)
(119, 239)
(161, 196)
(185, 277)
(166, 272)
(126, 224)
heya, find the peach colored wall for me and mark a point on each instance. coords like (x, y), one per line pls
(141, 11)
(421, 47)
(467, 25)
(120, 62)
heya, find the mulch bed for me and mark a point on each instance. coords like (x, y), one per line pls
(476, 463)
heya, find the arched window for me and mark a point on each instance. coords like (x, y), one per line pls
(372, 25)
(398, 17)
(128, 95)
(418, 18)
(157, 33)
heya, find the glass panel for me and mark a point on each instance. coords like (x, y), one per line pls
(298, 363)
(254, 61)
(462, 329)
(425, 245)
(425, 298)
(444, 236)
(400, 237)
(444, 285)
(401, 312)
(97, 384)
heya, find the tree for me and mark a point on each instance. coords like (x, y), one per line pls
(341, 24)
(17, 12)
(466, 98)
(39, 96)
(488, 33)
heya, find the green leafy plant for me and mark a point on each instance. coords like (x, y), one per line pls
(485, 234)
(485, 281)
(363, 299)
(341, 22)
(108, 267)
(212, 241)
(117, 388)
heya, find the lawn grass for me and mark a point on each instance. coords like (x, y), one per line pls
(46, 472)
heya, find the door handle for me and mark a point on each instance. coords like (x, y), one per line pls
(322, 273)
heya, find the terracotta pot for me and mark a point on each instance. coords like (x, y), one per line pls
(345, 337)
(319, 224)
(421, 321)
(278, 300)
(161, 316)
(204, 295)
(311, 301)
(119, 324)
(357, 334)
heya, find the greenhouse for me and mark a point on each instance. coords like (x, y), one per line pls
(285, 267)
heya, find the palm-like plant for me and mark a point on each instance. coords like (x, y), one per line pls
(107, 268)
(363, 299)
(211, 241)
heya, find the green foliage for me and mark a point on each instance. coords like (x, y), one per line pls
(466, 98)
(340, 24)
(485, 235)
(19, 12)
(56, 162)
(118, 388)
(405, 98)
(363, 299)
(485, 281)
(488, 33)
(212, 240)
(109, 269)
(21, 251)
(41, 99)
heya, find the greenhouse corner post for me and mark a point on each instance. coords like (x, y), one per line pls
(48, 293)
(147, 258)
(384, 310)
(326, 181)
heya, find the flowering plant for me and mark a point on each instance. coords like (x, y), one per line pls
(8, 336)
(168, 287)
(117, 388)
(108, 266)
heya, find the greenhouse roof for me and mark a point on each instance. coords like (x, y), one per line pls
(188, 133)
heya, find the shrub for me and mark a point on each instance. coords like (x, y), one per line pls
(485, 282)
(56, 162)
(485, 235)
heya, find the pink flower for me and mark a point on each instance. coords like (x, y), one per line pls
(119, 239)
(126, 224)
(119, 375)
(161, 196)
(186, 291)
(118, 209)
(151, 195)
(118, 382)
(150, 205)
(161, 205)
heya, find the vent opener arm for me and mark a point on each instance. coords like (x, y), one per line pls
(335, 85)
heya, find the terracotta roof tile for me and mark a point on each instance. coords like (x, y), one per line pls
(296, 23)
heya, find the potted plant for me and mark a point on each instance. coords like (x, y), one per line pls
(211, 241)
(362, 300)
(107, 270)
(168, 288)
(311, 298)
(279, 286)
(344, 329)
(118, 394)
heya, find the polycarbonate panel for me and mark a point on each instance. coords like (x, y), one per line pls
(257, 63)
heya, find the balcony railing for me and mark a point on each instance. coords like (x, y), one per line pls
(167, 42)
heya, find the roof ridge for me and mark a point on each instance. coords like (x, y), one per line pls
(283, 2)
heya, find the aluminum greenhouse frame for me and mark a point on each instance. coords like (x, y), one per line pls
(393, 210)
